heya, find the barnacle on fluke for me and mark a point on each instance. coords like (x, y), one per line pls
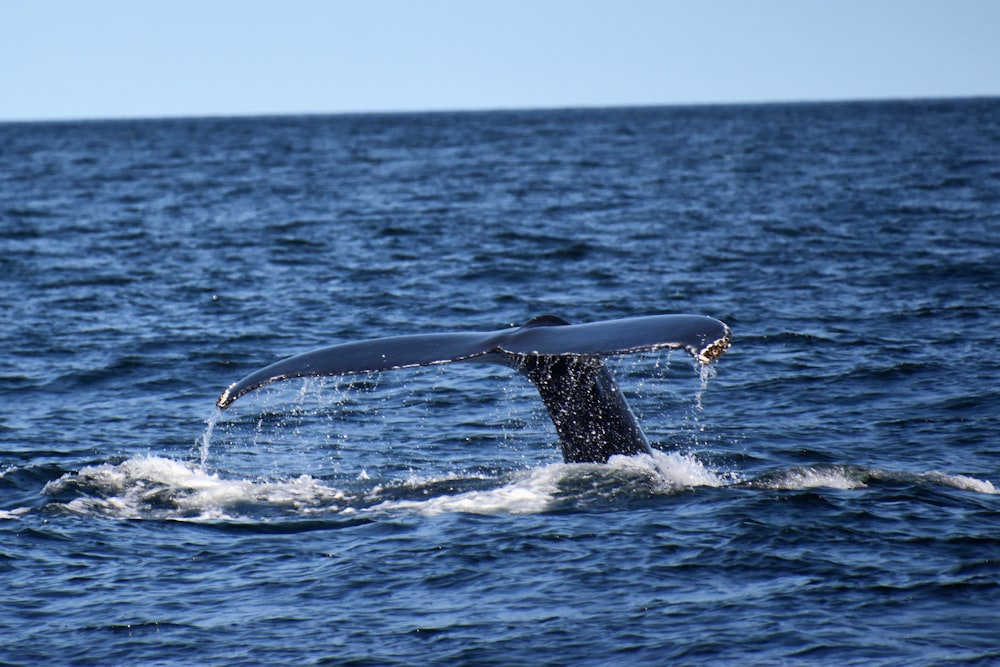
(715, 349)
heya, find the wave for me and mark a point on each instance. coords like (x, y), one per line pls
(859, 477)
(152, 487)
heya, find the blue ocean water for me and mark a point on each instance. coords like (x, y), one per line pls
(827, 493)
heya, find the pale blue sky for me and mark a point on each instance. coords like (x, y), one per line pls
(128, 58)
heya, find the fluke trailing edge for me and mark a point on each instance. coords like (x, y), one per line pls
(564, 361)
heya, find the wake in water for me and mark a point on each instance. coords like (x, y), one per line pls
(159, 488)
(860, 477)
(152, 487)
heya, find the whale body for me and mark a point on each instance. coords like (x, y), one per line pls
(564, 361)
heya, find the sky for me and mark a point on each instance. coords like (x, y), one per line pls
(82, 59)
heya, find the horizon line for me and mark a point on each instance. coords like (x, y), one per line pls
(494, 109)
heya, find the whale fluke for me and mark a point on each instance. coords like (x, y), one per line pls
(564, 361)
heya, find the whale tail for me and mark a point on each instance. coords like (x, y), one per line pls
(564, 361)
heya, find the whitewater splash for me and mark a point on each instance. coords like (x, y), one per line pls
(159, 488)
(151, 487)
(859, 477)
(538, 490)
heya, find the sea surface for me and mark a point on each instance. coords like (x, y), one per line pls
(827, 493)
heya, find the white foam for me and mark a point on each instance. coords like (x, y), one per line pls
(810, 478)
(151, 486)
(673, 470)
(963, 482)
(528, 494)
(156, 487)
(840, 477)
(534, 491)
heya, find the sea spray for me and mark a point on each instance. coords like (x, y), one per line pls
(204, 442)
(705, 373)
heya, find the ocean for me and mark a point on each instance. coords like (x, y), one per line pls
(828, 492)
